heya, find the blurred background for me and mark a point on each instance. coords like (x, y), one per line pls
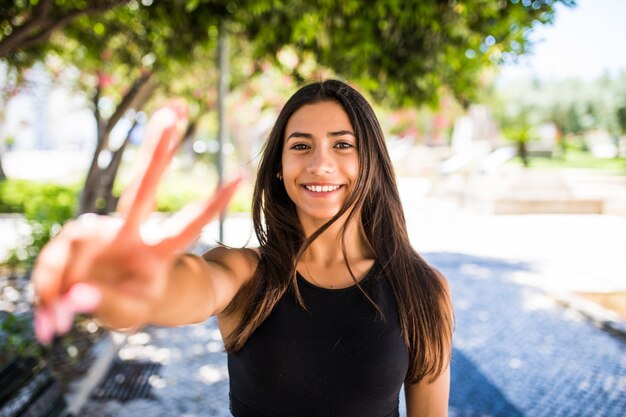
(505, 120)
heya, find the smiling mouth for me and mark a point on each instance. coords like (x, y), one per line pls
(322, 188)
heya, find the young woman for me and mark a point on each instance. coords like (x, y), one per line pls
(328, 317)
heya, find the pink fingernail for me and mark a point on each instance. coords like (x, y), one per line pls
(82, 298)
(44, 325)
(63, 317)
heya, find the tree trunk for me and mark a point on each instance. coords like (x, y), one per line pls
(2, 174)
(97, 195)
(522, 152)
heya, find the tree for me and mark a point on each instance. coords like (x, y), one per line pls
(621, 123)
(519, 128)
(400, 51)
(26, 26)
(125, 55)
(621, 117)
(574, 105)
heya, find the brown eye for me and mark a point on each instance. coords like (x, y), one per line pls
(344, 145)
(300, 147)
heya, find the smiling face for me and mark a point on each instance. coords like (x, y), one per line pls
(319, 160)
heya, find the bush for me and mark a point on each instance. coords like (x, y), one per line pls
(46, 206)
(39, 201)
(16, 337)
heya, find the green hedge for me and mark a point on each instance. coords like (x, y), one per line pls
(48, 205)
(45, 206)
(39, 201)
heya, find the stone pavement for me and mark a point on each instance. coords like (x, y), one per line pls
(516, 352)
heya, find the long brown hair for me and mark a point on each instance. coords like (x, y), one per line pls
(420, 292)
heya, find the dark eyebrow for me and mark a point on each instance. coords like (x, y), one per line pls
(299, 135)
(340, 133)
(309, 136)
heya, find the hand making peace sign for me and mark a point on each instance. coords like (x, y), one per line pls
(104, 264)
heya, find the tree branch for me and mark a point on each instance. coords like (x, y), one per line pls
(20, 33)
(97, 115)
(127, 102)
(39, 28)
(42, 9)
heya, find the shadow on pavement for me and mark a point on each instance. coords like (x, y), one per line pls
(472, 394)
(517, 352)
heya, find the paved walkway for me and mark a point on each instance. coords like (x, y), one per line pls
(517, 353)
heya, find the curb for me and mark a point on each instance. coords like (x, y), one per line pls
(602, 317)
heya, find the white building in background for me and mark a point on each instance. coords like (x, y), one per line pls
(47, 131)
(45, 116)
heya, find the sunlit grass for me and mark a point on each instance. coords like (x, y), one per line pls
(180, 187)
(184, 182)
(578, 159)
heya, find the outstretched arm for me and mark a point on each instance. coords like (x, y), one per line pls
(108, 266)
(200, 287)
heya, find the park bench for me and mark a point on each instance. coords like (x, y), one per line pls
(27, 389)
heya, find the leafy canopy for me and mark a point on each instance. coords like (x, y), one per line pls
(402, 51)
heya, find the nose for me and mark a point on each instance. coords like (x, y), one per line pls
(321, 162)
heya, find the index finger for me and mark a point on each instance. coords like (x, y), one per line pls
(161, 142)
(185, 226)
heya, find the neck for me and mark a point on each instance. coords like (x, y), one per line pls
(327, 248)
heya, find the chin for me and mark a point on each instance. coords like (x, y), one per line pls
(321, 216)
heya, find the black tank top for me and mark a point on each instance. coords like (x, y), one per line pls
(339, 358)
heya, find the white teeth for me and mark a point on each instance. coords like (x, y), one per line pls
(322, 188)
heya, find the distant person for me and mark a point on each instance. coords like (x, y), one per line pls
(329, 316)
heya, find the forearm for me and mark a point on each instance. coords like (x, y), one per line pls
(188, 296)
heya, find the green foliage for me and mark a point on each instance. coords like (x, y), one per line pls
(26, 25)
(578, 158)
(574, 105)
(621, 116)
(17, 340)
(181, 186)
(16, 336)
(173, 199)
(123, 43)
(38, 201)
(401, 51)
(45, 206)
(518, 122)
